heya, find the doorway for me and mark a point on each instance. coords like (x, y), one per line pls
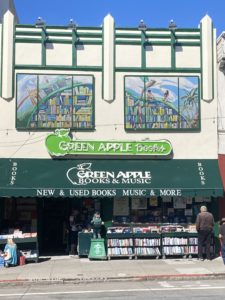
(53, 230)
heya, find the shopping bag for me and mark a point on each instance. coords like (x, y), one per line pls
(22, 260)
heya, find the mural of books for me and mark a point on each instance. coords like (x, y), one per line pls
(54, 101)
(162, 102)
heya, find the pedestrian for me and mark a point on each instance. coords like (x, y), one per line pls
(74, 228)
(10, 253)
(97, 224)
(222, 238)
(204, 227)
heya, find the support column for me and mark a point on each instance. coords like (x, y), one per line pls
(7, 70)
(207, 60)
(108, 75)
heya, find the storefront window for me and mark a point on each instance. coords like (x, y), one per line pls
(162, 103)
(54, 101)
(179, 210)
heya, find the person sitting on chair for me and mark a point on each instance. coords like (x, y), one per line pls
(10, 253)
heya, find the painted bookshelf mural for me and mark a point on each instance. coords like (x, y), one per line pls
(54, 101)
(161, 102)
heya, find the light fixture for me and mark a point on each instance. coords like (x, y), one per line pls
(142, 26)
(40, 23)
(172, 25)
(72, 24)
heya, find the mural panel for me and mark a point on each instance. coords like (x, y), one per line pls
(54, 101)
(82, 101)
(161, 103)
(27, 98)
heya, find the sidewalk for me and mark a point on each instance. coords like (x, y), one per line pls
(73, 269)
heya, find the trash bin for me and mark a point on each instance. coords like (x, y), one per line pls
(97, 249)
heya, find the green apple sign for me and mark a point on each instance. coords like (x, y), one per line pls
(60, 144)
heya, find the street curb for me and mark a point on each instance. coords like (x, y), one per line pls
(167, 277)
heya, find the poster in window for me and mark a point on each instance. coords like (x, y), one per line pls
(189, 200)
(139, 203)
(121, 206)
(166, 199)
(188, 212)
(199, 199)
(153, 201)
(207, 199)
(179, 202)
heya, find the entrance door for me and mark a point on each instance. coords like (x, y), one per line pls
(54, 225)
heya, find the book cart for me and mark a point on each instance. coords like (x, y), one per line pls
(142, 242)
(119, 242)
(146, 243)
(132, 242)
(192, 244)
(175, 244)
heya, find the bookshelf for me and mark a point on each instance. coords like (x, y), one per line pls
(147, 244)
(175, 244)
(152, 241)
(120, 242)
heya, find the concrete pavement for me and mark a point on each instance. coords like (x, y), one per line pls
(74, 269)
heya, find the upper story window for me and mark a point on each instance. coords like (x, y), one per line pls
(54, 101)
(162, 103)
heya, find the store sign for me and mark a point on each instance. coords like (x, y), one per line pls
(82, 174)
(87, 181)
(108, 192)
(61, 144)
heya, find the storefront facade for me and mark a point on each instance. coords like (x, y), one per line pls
(121, 120)
(221, 107)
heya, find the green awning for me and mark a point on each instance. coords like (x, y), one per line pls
(109, 178)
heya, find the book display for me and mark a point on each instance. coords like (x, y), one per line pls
(20, 224)
(147, 241)
(119, 242)
(153, 241)
(175, 243)
(161, 226)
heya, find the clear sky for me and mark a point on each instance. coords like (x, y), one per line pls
(127, 13)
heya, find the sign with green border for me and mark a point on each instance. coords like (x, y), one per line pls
(60, 144)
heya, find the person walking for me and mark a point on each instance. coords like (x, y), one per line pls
(222, 238)
(204, 227)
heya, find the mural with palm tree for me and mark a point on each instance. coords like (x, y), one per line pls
(190, 107)
(161, 102)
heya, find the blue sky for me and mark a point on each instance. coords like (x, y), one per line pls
(127, 13)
